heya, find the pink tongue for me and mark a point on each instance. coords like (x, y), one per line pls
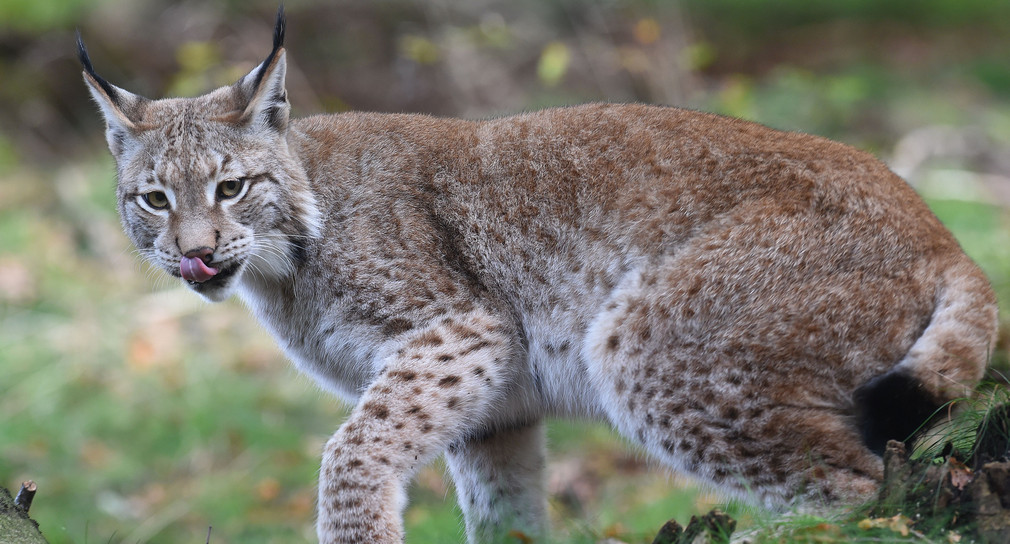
(193, 269)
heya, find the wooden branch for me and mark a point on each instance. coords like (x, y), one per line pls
(25, 496)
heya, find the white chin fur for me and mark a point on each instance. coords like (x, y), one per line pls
(217, 294)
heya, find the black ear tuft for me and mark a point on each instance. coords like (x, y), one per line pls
(82, 55)
(279, 28)
(278, 44)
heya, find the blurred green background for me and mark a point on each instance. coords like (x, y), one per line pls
(145, 414)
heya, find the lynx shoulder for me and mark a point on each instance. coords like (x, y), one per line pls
(759, 309)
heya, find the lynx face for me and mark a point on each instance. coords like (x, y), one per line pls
(207, 189)
(212, 217)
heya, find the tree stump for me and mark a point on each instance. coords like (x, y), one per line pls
(714, 527)
(972, 497)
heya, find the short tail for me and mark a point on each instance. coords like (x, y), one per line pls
(945, 363)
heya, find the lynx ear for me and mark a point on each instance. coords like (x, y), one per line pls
(120, 108)
(263, 90)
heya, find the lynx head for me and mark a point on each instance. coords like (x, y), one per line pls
(208, 190)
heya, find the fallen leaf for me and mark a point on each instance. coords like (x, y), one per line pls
(613, 531)
(17, 283)
(646, 31)
(960, 475)
(268, 489)
(822, 532)
(520, 536)
(898, 524)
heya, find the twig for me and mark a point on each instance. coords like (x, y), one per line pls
(25, 496)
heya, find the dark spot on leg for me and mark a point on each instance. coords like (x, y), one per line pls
(375, 409)
(613, 342)
(448, 381)
(404, 375)
(396, 326)
(479, 345)
(463, 332)
(730, 412)
(445, 357)
(429, 338)
(453, 402)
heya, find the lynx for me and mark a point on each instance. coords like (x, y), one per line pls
(762, 310)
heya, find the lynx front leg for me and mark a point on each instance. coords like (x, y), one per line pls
(435, 389)
(499, 480)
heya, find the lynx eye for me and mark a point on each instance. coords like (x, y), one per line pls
(156, 199)
(230, 188)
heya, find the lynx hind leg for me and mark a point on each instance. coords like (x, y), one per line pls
(500, 483)
(706, 409)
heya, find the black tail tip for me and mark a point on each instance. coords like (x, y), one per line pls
(893, 406)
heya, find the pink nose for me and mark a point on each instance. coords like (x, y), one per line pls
(193, 266)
